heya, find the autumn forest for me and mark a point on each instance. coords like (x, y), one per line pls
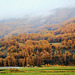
(50, 46)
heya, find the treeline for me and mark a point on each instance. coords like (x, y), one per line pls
(35, 53)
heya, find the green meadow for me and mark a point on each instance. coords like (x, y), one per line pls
(53, 70)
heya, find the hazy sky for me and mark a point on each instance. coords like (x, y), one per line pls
(20, 8)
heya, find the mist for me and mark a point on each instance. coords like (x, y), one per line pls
(23, 8)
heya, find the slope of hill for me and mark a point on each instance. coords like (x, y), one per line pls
(34, 24)
(51, 47)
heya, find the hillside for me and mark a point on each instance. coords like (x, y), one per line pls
(48, 46)
(34, 24)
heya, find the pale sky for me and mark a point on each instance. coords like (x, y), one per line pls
(20, 8)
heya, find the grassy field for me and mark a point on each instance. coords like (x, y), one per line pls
(59, 43)
(54, 70)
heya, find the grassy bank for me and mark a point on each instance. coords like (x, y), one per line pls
(54, 70)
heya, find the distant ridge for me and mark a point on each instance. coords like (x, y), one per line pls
(33, 25)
